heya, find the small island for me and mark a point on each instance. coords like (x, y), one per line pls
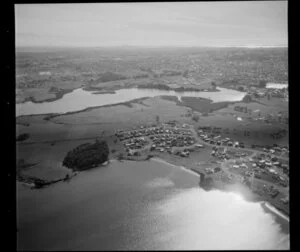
(87, 156)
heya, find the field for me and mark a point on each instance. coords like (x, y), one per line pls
(121, 116)
(51, 139)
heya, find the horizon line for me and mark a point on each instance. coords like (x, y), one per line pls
(150, 47)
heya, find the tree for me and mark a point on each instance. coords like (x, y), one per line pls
(157, 119)
(247, 98)
(262, 83)
(195, 118)
(185, 73)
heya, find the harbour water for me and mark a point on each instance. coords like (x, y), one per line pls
(80, 99)
(141, 206)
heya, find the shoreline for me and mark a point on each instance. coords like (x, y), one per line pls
(58, 95)
(48, 116)
(61, 93)
(268, 205)
(284, 220)
(276, 211)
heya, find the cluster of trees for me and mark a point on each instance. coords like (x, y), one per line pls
(87, 156)
(23, 137)
(141, 76)
(182, 89)
(170, 73)
(166, 87)
(110, 76)
(279, 134)
(155, 86)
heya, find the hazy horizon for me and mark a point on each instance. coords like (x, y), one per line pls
(177, 24)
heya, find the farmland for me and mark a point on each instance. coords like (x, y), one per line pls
(258, 125)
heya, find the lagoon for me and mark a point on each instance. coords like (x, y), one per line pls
(80, 99)
(148, 205)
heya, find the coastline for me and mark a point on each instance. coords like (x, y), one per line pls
(59, 94)
(275, 211)
(281, 218)
(48, 116)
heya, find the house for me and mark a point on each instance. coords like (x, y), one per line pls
(284, 200)
(236, 144)
(244, 166)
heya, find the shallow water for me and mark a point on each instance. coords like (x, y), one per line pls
(141, 206)
(81, 99)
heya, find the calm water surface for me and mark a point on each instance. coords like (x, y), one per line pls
(80, 99)
(276, 85)
(141, 206)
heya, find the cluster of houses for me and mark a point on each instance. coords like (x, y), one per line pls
(271, 118)
(220, 153)
(212, 170)
(165, 142)
(262, 164)
(258, 92)
(279, 93)
(243, 169)
(271, 191)
(270, 162)
(218, 140)
(163, 137)
(135, 143)
(152, 130)
(275, 149)
(243, 109)
(285, 200)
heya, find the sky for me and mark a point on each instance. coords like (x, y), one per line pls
(250, 24)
